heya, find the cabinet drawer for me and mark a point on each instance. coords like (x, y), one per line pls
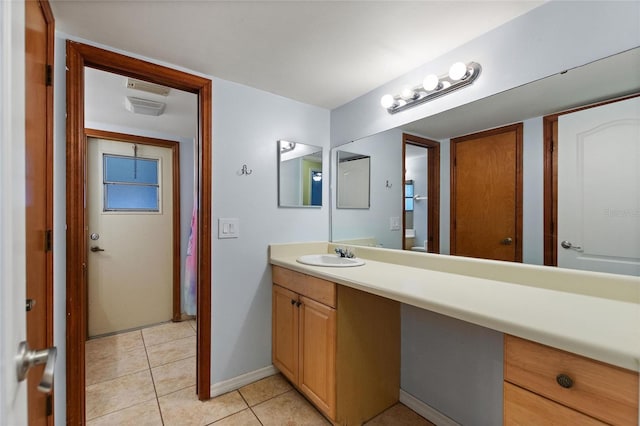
(522, 407)
(314, 288)
(603, 391)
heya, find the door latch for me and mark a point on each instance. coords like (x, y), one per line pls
(27, 358)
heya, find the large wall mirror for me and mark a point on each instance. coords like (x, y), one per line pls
(528, 104)
(299, 175)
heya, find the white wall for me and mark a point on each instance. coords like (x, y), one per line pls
(246, 125)
(59, 228)
(549, 39)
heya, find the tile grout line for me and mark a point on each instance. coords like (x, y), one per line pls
(153, 380)
(251, 408)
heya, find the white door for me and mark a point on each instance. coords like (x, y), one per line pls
(599, 188)
(130, 233)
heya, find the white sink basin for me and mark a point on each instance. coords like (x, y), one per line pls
(329, 260)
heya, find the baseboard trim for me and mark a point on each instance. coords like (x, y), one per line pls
(242, 380)
(425, 410)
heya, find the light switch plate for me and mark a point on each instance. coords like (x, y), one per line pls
(228, 227)
(394, 223)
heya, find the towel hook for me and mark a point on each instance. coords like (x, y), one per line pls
(388, 185)
(245, 170)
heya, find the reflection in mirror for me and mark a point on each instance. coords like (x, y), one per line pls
(353, 172)
(529, 103)
(299, 175)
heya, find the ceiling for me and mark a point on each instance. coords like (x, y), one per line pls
(323, 53)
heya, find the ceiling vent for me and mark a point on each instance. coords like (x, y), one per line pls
(145, 86)
(144, 106)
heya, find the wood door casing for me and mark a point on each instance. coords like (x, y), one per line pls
(486, 194)
(433, 188)
(39, 196)
(78, 56)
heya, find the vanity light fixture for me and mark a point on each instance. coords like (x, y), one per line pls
(433, 86)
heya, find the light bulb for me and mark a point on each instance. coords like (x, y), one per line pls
(431, 82)
(445, 84)
(387, 101)
(458, 71)
(407, 93)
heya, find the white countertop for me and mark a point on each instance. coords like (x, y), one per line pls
(591, 314)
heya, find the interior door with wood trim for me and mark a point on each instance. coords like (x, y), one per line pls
(130, 216)
(486, 194)
(599, 205)
(39, 199)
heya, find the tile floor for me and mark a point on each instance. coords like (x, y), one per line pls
(147, 377)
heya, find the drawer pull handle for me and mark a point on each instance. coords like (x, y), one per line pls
(564, 381)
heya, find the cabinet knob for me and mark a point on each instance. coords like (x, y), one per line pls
(298, 304)
(564, 381)
(293, 302)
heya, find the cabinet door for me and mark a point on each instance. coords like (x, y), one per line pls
(318, 354)
(285, 332)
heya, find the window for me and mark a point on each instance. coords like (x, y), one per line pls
(408, 196)
(130, 184)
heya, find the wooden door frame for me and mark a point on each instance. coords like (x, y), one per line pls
(517, 128)
(550, 137)
(433, 188)
(174, 146)
(78, 56)
(49, 19)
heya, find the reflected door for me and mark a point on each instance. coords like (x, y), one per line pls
(130, 217)
(599, 188)
(486, 196)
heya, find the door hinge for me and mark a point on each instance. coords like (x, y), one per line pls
(48, 240)
(48, 79)
(49, 406)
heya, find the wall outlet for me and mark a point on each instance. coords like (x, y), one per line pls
(394, 223)
(228, 228)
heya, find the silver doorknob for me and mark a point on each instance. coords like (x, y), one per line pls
(507, 241)
(27, 358)
(567, 245)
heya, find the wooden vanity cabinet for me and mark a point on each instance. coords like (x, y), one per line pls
(545, 385)
(338, 346)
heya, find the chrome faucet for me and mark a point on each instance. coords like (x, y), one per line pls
(345, 252)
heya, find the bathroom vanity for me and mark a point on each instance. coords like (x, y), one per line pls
(571, 339)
